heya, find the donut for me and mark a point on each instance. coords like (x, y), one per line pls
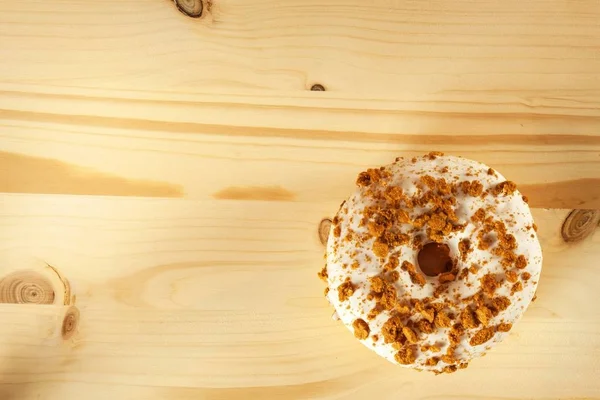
(432, 260)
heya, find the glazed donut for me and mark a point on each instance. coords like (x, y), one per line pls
(432, 260)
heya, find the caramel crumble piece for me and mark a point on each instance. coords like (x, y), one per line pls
(425, 326)
(501, 303)
(464, 246)
(410, 335)
(355, 265)
(517, 287)
(446, 277)
(415, 277)
(323, 274)
(405, 356)
(474, 188)
(388, 298)
(440, 290)
(468, 319)
(394, 276)
(509, 257)
(375, 338)
(337, 231)
(375, 229)
(370, 176)
(433, 361)
(521, 262)
(393, 194)
(435, 154)
(526, 276)
(402, 308)
(489, 284)
(392, 263)
(361, 329)
(481, 336)
(377, 284)
(511, 276)
(484, 315)
(403, 217)
(392, 330)
(448, 359)
(437, 222)
(326, 291)
(380, 249)
(503, 327)
(455, 334)
(442, 186)
(428, 313)
(428, 181)
(430, 347)
(507, 241)
(345, 290)
(506, 188)
(525, 199)
(479, 215)
(535, 228)
(491, 171)
(442, 320)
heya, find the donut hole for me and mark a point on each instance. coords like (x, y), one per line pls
(434, 259)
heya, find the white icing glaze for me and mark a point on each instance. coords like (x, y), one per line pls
(510, 209)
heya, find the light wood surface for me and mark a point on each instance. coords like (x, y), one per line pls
(167, 177)
(220, 300)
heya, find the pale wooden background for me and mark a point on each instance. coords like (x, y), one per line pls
(175, 172)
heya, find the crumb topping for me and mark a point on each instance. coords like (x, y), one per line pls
(521, 262)
(503, 327)
(323, 274)
(345, 290)
(505, 188)
(361, 329)
(489, 284)
(406, 355)
(481, 336)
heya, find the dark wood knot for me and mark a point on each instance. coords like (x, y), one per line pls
(70, 323)
(26, 287)
(580, 224)
(317, 87)
(191, 8)
(324, 228)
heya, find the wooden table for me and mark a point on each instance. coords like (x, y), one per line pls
(162, 180)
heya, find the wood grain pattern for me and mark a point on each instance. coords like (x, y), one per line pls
(215, 300)
(172, 99)
(169, 175)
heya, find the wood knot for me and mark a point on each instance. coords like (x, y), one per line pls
(580, 224)
(317, 87)
(26, 287)
(70, 323)
(191, 8)
(324, 228)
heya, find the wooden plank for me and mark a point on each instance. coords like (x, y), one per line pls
(48, 158)
(196, 299)
(513, 84)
